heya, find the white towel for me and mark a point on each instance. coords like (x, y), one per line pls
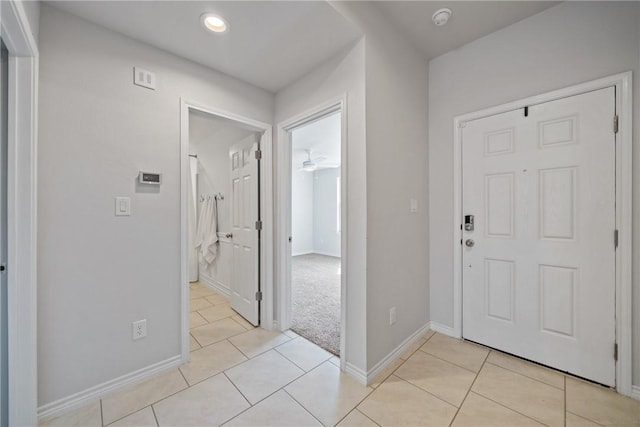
(209, 248)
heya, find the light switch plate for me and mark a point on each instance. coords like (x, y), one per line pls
(144, 78)
(413, 205)
(123, 206)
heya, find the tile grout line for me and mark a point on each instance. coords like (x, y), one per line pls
(241, 393)
(470, 387)
(301, 405)
(455, 364)
(365, 415)
(530, 377)
(155, 416)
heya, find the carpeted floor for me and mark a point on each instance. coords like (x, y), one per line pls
(315, 299)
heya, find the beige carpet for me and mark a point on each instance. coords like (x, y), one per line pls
(315, 300)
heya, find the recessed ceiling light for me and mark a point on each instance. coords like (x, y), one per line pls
(213, 23)
(441, 16)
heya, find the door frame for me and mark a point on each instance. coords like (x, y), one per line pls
(22, 211)
(624, 200)
(284, 129)
(266, 214)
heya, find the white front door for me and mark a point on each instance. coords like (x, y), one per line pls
(539, 265)
(245, 283)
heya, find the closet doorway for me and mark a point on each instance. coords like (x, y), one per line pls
(313, 294)
(223, 218)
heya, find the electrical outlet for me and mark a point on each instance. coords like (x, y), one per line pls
(139, 329)
(392, 315)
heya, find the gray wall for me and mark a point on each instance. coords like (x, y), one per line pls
(343, 75)
(397, 164)
(562, 46)
(98, 272)
(326, 239)
(301, 210)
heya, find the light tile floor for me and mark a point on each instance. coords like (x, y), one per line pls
(244, 376)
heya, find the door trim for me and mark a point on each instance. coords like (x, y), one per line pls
(284, 213)
(22, 210)
(266, 215)
(624, 199)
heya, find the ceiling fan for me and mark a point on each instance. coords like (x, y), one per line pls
(316, 163)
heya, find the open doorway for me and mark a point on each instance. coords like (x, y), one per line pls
(223, 241)
(316, 231)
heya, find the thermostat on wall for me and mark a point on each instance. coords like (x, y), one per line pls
(149, 178)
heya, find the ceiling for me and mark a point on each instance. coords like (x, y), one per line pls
(271, 44)
(322, 137)
(470, 20)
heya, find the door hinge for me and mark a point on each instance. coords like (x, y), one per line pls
(615, 123)
(615, 238)
(615, 352)
(258, 225)
(258, 154)
(259, 296)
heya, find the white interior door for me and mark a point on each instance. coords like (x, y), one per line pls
(245, 273)
(539, 280)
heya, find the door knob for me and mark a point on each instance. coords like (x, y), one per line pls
(469, 243)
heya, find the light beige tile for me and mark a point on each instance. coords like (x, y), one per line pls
(379, 379)
(445, 380)
(335, 360)
(428, 334)
(142, 418)
(532, 398)
(277, 410)
(241, 320)
(290, 334)
(257, 378)
(201, 292)
(327, 393)
(303, 353)
(193, 344)
(217, 331)
(257, 341)
(217, 312)
(356, 419)
(480, 412)
(398, 403)
(86, 416)
(196, 320)
(602, 405)
(528, 369)
(217, 299)
(412, 348)
(211, 360)
(125, 402)
(465, 354)
(575, 421)
(209, 403)
(199, 304)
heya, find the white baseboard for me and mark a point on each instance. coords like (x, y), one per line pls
(395, 354)
(443, 329)
(60, 406)
(327, 254)
(215, 285)
(635, 392)
(357, 373)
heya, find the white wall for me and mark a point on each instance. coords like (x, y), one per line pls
(344, 74)
(302, 218)
(562, 46)
(326, 239)
(97, 272)
(397, 163)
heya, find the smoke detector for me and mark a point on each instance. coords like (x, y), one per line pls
(441, 16)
